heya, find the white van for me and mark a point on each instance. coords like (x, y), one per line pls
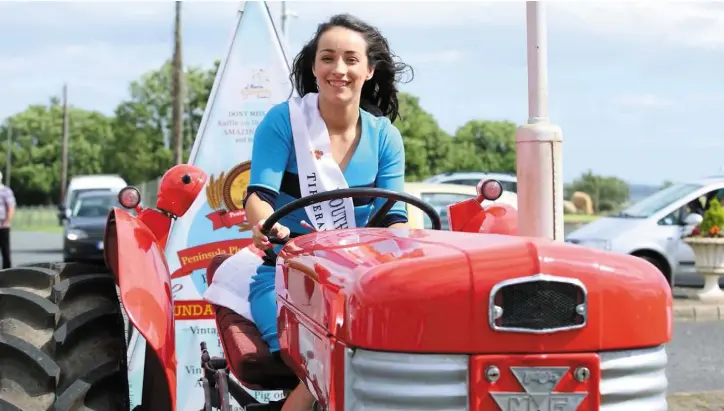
(82, 184)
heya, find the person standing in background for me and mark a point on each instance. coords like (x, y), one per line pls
(7, 211)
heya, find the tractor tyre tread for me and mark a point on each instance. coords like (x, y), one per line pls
(62, 339)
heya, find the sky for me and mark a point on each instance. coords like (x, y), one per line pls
(635, 86)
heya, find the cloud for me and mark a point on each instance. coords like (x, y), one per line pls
(423, 14)
(644, 100)
(97, 74)
(437, 56)
(692, 24)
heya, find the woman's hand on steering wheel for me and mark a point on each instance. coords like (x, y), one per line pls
(261, 241)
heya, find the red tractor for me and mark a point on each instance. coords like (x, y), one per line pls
(450, 320)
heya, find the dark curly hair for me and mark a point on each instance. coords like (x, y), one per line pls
(379, 94)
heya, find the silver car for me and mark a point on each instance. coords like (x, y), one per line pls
(653, 228)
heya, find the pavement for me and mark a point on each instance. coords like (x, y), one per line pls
(695, 367)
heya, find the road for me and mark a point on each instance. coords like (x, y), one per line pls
(35, 247)
(695, 359)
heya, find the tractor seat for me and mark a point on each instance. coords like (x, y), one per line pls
(247, 354)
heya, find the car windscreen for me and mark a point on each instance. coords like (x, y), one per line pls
(95, 206)
(440, 202)
(658, 201)
(76, 193)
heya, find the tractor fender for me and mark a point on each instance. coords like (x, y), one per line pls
(500, 219)
(134, 255)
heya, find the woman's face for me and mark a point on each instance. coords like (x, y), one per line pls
(341, 66)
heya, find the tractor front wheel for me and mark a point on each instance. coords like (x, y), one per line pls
(62, 339)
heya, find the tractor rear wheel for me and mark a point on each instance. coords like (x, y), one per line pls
(62, 339)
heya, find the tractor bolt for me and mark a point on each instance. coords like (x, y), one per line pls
(492, 373)
(581, 374)
(497, 312)
(581, 309)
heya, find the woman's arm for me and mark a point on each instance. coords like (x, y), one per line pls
(400, 225)
(270, 154)
(257, 209)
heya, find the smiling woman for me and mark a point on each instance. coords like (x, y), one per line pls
(350, 61)
(337, 134)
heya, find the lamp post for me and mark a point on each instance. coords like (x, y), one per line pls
(539, 144)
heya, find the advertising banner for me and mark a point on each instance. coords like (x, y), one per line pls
(252, 78)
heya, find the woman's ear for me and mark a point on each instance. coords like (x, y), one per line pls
(371, 73)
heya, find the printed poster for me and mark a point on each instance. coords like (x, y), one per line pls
(251, 79)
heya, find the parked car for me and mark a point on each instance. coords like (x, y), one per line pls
(442, 195)
(83, 233)
(653, 228)
(508, 181)
(84, 184)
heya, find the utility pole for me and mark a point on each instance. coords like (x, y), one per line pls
(64, 147)
(178, 93)
(9, 154)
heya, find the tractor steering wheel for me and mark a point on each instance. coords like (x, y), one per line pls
(374, 221)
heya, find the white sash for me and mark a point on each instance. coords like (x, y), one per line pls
(318, 172)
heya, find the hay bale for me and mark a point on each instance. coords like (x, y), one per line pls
(583, 202)
(569, 207)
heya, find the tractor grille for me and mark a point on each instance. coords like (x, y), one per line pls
(386, 381)
(634, 380)
(538, 304)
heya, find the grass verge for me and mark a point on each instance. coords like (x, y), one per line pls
(54, 229)
(701, 401)
(579, 218)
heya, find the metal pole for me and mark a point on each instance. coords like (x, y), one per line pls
(285, 18)
(539, 144)
(286, 14)
(537, 63)
(64, 147)
(178, 92)
(9, 154)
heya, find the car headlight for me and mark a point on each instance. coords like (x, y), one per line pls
(75, 234)
(602, 244)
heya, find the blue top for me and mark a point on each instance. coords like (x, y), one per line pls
(378, 161)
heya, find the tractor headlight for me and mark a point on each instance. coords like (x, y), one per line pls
(74, 234)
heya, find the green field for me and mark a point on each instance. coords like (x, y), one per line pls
(42, 219)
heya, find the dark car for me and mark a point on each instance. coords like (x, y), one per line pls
(83, 233)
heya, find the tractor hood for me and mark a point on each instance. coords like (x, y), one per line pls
(430, 291)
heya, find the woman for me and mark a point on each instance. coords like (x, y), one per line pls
(349, 64)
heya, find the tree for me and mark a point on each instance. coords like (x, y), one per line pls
(36, 151)
(484, 146)
(607, 193)
(142, 148)
(426, 144)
